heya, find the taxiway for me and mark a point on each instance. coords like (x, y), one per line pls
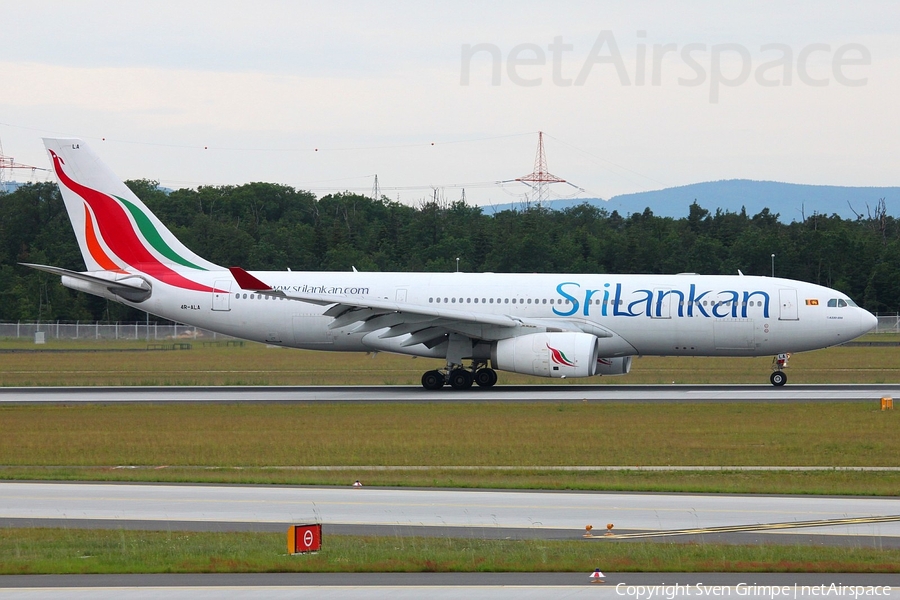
(513, 393)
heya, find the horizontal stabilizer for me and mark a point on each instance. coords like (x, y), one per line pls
(130, 287)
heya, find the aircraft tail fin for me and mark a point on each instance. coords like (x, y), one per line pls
(115, 230)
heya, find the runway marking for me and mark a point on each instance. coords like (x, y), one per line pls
(371, 502)
(749, 528)
(574, 468)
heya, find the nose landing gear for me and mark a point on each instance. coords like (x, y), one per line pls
(779, 364)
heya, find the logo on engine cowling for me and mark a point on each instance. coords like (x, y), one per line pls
(559, 358)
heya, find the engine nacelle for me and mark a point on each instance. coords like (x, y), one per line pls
(614, 366)
(557, 354)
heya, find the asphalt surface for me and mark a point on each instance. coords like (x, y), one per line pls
(399, 394)
(458, 513)
(437, 586)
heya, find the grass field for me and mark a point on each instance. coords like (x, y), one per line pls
(431, 445)
(30, 551)
(129, 363)
(254, 443)
(259, 443)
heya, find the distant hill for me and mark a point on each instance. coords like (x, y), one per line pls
(9, 186)
(790, 200)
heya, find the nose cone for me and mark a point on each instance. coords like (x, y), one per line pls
(867, 321)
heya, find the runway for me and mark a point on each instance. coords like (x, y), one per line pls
(468, 512)
(455, 513)
(399, 394)
(437, 586)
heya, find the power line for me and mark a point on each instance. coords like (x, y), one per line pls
(540, 178)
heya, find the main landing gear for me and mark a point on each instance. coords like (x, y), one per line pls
(779, 364)
(459, 377)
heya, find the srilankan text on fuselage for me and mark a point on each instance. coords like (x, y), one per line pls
(692, 302)
(610, 299)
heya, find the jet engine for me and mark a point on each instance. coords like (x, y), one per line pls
(614, 366)
(554, 354)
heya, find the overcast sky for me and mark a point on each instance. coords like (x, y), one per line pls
(632, 96)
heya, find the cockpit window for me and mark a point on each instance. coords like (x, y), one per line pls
(832, 303)
(839, 303)
(851, 303)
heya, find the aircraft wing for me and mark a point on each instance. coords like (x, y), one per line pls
(425, 324)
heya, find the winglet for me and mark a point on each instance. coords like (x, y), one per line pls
(248, 281)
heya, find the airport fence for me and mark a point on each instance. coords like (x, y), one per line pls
(888, 323)
(99, 330)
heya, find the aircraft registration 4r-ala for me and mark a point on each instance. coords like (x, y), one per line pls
(548, 325)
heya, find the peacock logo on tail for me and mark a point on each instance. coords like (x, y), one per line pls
(116, 244)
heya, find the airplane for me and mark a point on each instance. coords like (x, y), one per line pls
(546, 325)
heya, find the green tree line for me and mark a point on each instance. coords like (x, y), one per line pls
(275, 227)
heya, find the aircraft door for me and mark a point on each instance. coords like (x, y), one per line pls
(401, 295)
(787, 301)
(221, 296)
(661, 304)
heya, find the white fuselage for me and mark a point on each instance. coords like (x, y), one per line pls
(691, 315)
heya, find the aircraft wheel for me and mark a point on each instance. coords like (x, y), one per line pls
(433, 380)
(460, 379)
(778, 378)
(485, 377)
